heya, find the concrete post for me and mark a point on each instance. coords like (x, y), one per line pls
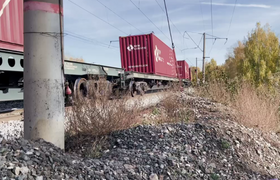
(203, 63)
(43, 71)
(196, 73)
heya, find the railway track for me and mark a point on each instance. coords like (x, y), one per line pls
(149, 99)
(13, 115)
(146, 100)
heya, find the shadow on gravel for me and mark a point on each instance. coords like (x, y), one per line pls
(172, 151)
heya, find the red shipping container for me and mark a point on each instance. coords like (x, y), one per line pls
(147, 54)
(11, 25)
(183, 69)
(190, 72)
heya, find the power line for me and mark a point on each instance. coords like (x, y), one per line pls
(200, 40)
(212, 35)
(231, 17)
(211, 47)
(193, 40)
(93, 41)
(149, 19)
(97, 17)
(212, 17)
(195, 32)
(170, 20)
(86, 38)
(187, 59)
(172, 24)
(119, 16)
(215, 38)
(169, 25)
(202, 15)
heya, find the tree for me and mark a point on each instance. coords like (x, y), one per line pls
(233, 65)
(210, 70)
(193, 72)
(261, 55)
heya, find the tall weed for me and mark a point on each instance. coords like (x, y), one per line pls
(256, 107)
(98, 115)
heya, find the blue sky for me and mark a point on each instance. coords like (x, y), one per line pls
(89, 37)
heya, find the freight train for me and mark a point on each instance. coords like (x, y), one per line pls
(146, 62)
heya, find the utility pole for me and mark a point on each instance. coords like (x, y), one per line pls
(196, 73)
(204, 42)
(203, 50)
(172, 42)
(203, 60)
(43, 71)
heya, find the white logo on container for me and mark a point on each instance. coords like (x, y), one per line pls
(3, 7)
(135, 47)
(130, 48)
(157, 53)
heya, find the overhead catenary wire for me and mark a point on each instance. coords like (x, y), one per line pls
(232, 17)
(193, 40)
(170, 20)
(212, 17)
(211, 47)
(215, 38)
(86, 38)
(92, 41)
(118, 15)
(188, 60)
(97, 16)
(172, 24)
(195, 32)
(200, 40)
(211, 35)
(202, 15)
(149, 19)
(88, 41)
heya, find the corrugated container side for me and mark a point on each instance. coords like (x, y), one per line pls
(136, 53)
(11, 25)
(187, 67)
(183, 69)
(164, 59)
(147, 54)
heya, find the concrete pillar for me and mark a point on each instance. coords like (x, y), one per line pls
(43, 71)
(203, 63)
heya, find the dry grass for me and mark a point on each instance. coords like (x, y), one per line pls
(175, 108)
(216, 91)
(255, 108)
(91, 119)
(96, 115)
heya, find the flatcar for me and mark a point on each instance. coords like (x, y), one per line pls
(146, 62)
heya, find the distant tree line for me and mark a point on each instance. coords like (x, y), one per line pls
(255, 59)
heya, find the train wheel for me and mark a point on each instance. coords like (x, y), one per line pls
(142, 90)
(80, 88)
(93, 89)
(133, 90)
(133, 93)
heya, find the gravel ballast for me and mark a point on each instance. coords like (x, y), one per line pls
(11, 105)
(213, 147)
